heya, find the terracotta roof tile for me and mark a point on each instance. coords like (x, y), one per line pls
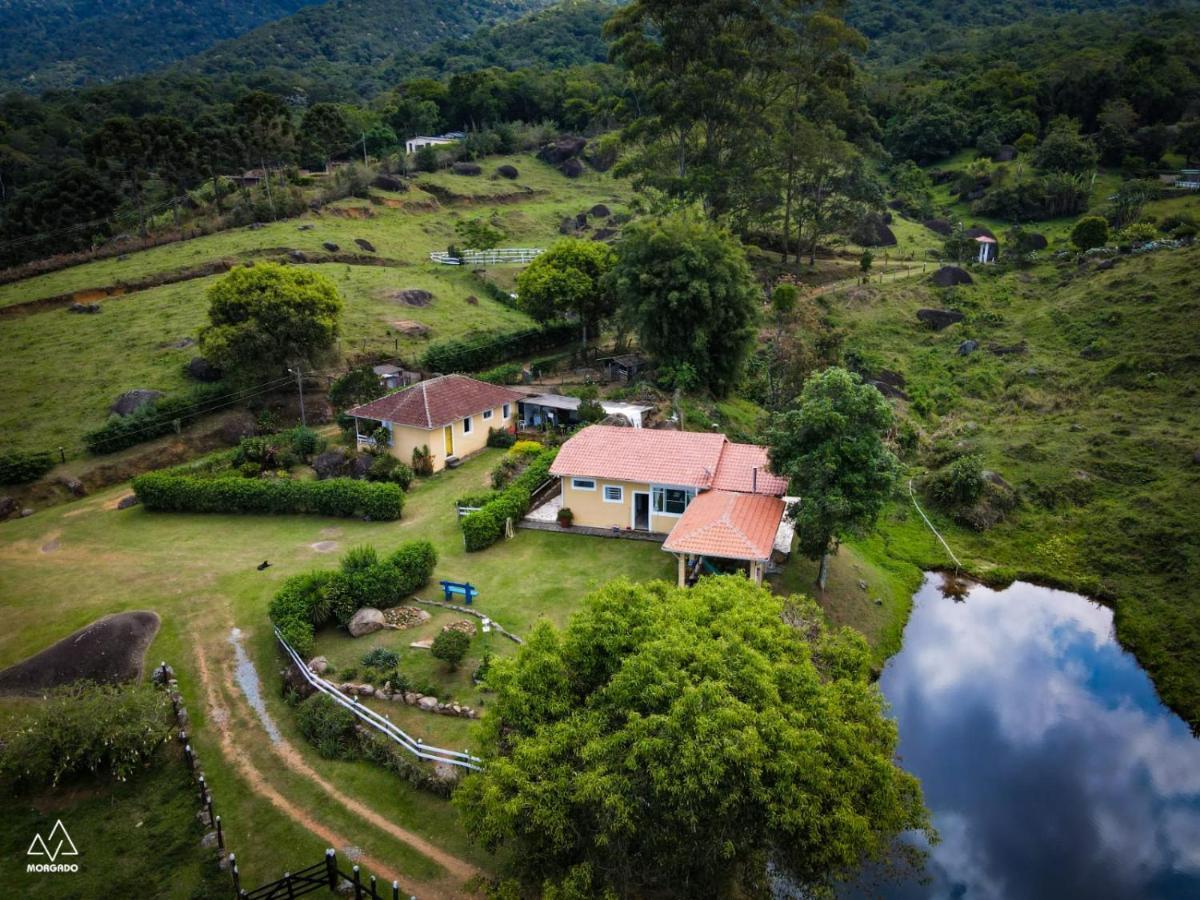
(437, 402)
(683, 458)
(735, 471)
(727, 525)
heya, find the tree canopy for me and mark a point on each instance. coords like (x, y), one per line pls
(267, 317)
(568, 279)
(684, 284)
(671, 742)
(830, 448)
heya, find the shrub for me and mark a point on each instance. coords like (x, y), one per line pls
(958, 484)
(22, 467)
(156, 419)
(501, 438)
(422, 461)
(381, 658)
(506, 373)
(566, 518)
(386, 467)
(327, 726)
(525, 448)
(343, 497)
(484, 527)
(1089, 232)
(503, 472)
(474, 355)
(360, 558)
(480, 529)
(477, 499)
(1137, 233)
(83, 729)
(305, 442)
(450, 646)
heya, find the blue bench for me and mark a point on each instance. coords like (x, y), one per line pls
(465, 590)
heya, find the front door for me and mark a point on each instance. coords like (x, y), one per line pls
(641, 511)
(449, 432)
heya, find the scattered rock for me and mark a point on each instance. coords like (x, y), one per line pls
(330, 246)
(297, 256)
(422, 645)
(201, 369)
(85, 308)
(209, 841)
(365, 245)
(572, 168)
(330, 463)
(179, 344)
(603, 234)
(255, 226)
(8, 506)
(305, 227)
(507, 171)
(966, 348)
(1007, 153)
(1017, 349)
(949, 276)
(238, 426)
(872, 231)
(561, 150)
(366, 621)
(413, 297)
(131, 401)
(359, 466)
(1035, 241)
(1075, 427)
(318, 665)
(939, 226)
(600, 211)
(74, 486)
(862, 585)
(567, 226)
(466, 168)
(365, 690)
(1105, 264)
(128, 501)
(473, 300)
(410, 328)
(428, 703)
(581, 220)
(878, 601)
(466, 626)
(937, 319)
(387, 182)
(26, 513)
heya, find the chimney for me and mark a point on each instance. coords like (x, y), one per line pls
(754, 480)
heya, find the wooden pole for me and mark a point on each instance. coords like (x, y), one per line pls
(233, 870)
(220, 834)
(331, 872)
(357, 883)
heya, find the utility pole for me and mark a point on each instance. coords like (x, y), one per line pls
(300, 387)
(364, 143)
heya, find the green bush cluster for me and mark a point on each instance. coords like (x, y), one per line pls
(328, 726)
(500, 438)
(484, 527)
(481, 353)
(450, 646)
(387, 468)
(958, 484)
(155, 419)
(344, 497)
(85, 729)
(380, 658)
(505, 373)
(309, 600)
(22, 467)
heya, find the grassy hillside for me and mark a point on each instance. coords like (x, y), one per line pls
(1095, 424)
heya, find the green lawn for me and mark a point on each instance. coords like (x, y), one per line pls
(199, 573)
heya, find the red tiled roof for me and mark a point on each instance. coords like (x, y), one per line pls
(735, 471)
(437, 402)
(727, 525)
(683, 458)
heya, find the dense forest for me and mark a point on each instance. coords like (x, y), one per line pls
(1113, 84)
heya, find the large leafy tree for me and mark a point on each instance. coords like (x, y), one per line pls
(830, 447)
(569, 278)
(325, 131)
(684, 284)
(267, 317)
(673, 742)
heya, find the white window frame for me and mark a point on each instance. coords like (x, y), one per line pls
(660, 491)
(507, 411)
(466, 425)
(620, 489)
(577, 484)
(487, 414)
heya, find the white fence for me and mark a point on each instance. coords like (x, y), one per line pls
(487, 257)
(381, 723)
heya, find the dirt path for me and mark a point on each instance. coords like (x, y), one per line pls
(459, 869)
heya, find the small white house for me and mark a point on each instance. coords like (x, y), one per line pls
(412, 145)
(987, 249)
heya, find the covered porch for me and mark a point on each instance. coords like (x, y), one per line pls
(723, 530)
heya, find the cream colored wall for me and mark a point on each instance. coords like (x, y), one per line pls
(405, 438)
(592, 511)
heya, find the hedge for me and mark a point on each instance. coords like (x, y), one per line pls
(344, 497)
(156, 419)
(491, 350)
(485, 526)
(310, 600)
(22, 467)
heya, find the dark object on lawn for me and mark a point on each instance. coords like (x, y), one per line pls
(201, 369)
(937, 319)
(131, 401)
(887, 218)
(331, 246)
(507, 171)
(949, 276)
(603, 234)
(599, 211)
(561, 150)
(1035, 241)
(108, 650)
(872, 231)
(297, 256)
(939, 226)
(387, 182)
(466, 168)
(1007, 153)
(1017, 349)
(890, 384)
(414, 297)
(128, 501)
(264, 565)
(365, 245)
(473, 300)
(85, 308)
(572, 168)
(966, 348)
(330, 464)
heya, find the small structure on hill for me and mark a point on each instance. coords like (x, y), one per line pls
(987, 249)
(392, 377)
(625, 368)
(412, 145)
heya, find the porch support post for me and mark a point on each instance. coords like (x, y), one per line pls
(756, 572)
(682, 569)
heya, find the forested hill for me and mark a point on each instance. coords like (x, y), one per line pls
(65, 43)
(341, 48)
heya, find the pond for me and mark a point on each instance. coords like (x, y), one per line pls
(1048, 762)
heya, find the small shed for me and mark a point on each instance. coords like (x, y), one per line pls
(987, 248)
(556, 410)
(625, 368)
(395, 377)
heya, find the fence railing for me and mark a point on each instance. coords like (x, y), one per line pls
(487, 257)
(380, 723)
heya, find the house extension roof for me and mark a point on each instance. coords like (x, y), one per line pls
(727, 525)
(436, 402)
(697, 460)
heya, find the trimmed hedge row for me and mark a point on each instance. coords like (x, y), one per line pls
(22, 467)
(312, 599)
(485, 526)
(156, 419)
(482, 353)
(345, 497)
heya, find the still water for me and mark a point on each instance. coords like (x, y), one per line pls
(1049, 764)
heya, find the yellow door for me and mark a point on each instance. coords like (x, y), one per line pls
(449, 432)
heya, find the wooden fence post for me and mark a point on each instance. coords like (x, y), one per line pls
(187, 755)
(374, 893)
(233, 870)
(220, 834)
(331, 872)
(357, 884)
(395, 890)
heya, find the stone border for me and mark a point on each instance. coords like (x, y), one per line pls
(487, 620)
